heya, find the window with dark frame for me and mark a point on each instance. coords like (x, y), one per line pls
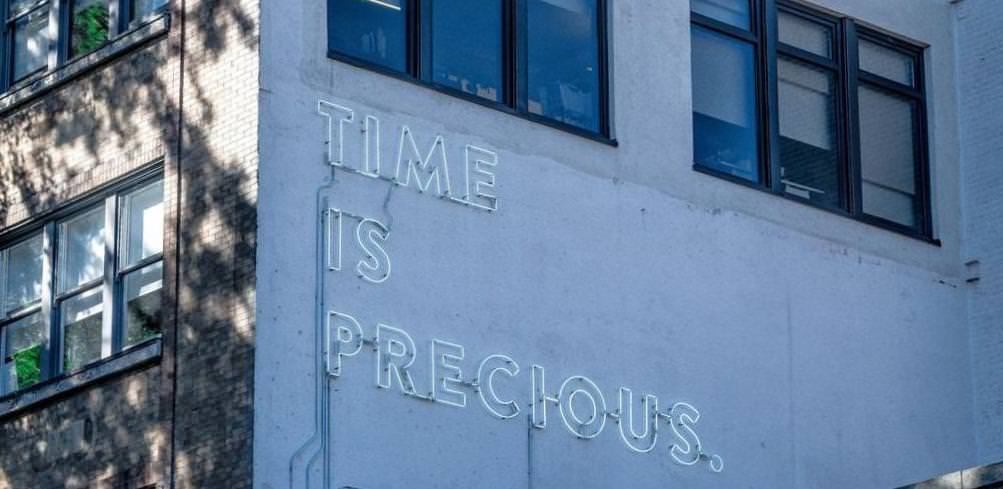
(82, 287)
(542, 59)
(817, 108)
(31, 43)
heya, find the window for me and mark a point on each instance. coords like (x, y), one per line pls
(543, 59)
(102, 297)
(813, 107)
(32, 45)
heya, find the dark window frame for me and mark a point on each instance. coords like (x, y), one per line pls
(60, 34)
(847, 32)
(109, 198)
(514, 86)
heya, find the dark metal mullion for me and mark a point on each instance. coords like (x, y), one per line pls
(6, 46)
(807, 56)
(509, 49)
(21, 313)
(726, 28)
(922, 151)
(145, 262)
(424, 40)
(413, 37)
(769, 105)
(521, 62)
(604, 68)
(890, 85)
(843, 120)
(80, 289)
(851, 123)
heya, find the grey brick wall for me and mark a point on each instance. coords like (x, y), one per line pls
(980, 78)
(197, 85)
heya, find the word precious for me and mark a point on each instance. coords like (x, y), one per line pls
(582, 405)
(359, 151)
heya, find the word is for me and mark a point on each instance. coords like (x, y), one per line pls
(583, 408)
(354, 145)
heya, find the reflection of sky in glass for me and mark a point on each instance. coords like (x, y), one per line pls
(466, 46)
(144, 223)
(371, 30)
(563, 57)
(144, 8)
(142, 300)
(82, 249)
(31, 44)
(23, 274)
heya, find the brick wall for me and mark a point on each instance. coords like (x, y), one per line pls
(191, 410)
(980, 78)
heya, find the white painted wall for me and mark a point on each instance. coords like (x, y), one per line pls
(822, 352)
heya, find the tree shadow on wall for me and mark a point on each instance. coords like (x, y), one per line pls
(133, 110)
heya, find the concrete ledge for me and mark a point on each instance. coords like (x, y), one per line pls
(985, 477)
(52, 388)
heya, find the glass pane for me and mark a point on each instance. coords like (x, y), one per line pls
(734, 12)
(802, 33)
(809, 154)
(23, 356)
(725, 126)
(145, 8)
(89, 26)
(887, 63)
(371, 30)
(21, 6)
(24, 274)
(563, 57)
(31, 43)
(888, 159)
(142, 224)
(142, 304)
(467, 46)
(81, 251)
(82, 328)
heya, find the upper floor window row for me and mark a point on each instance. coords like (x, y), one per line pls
(813, 107)
(39, 35)
(545, 59)
(82, 287)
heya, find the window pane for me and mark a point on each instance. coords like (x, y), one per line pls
(563, 58)
(887, 63)
(467, 46)
(371, 30)
(82, 321)
(142, 304)
(724, 105)
(145, 8)
(22, 362)
(802, 33)
(31, 43)
(81, 252)
(142, 224)
(24, 274)
(89, 26)
(888, 159)
(734, 12)
(809, 155)
(21, 6)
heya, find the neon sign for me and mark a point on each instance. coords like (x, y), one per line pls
(395, 353)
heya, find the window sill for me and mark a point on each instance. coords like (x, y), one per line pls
(56, 387)
(45, 82)
(865, 219)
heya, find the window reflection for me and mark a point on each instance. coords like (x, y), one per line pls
(89, 26)
(724, 105)
(371, 30)
(31, 43)
(563, 60)
(82, 329)
(81, 249)
(22, 358)
(467, 46)
(809, 155)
